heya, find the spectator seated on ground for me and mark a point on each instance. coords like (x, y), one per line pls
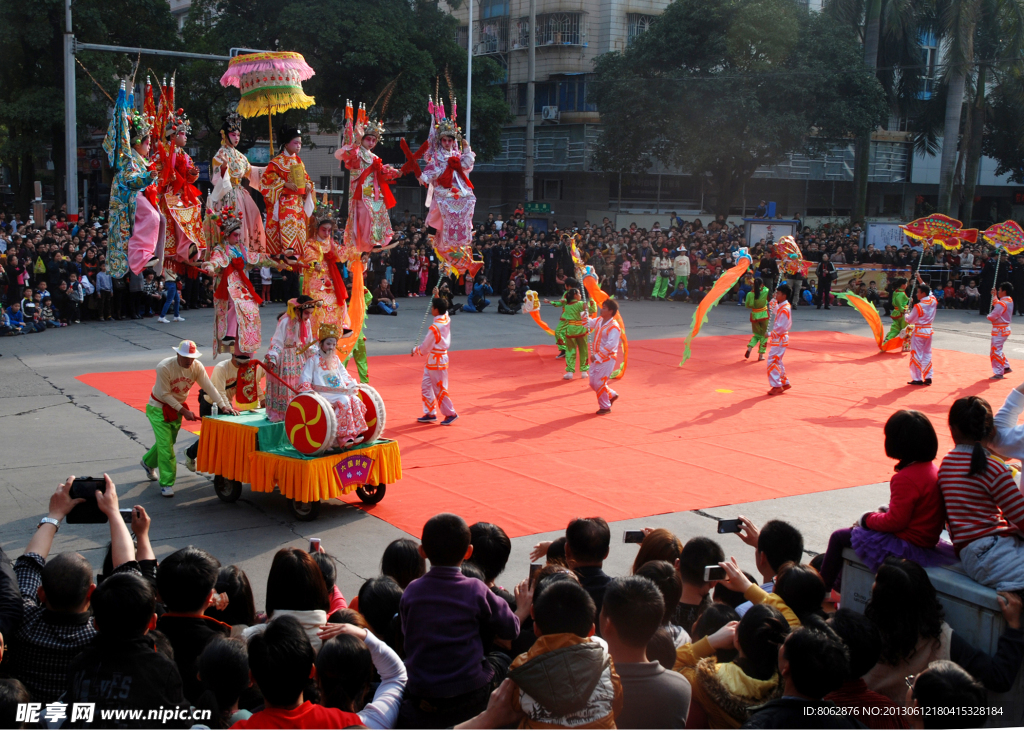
(775, 545)
(666, 578)
(281, 662)
(491, 549)
(443, 617)
(864, 643)
(379, 601)
(403, 562)
(241, 609)
(723, 694)
(813, 662)
(942, 685)
(345, 672)
(905, 607)
(633, 610)
(567, 679)
(697, 553)
(56, 623)
(295, 586)
(186, 581)
(224, 674)
(124, 611)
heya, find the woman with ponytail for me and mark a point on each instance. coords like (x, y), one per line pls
(984, 504)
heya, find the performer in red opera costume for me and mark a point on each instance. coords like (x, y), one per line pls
(288, 193)
(369, 225)
(287, 354)
(325, 374)
(321, 278)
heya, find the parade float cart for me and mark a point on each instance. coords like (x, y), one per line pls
(296, 457)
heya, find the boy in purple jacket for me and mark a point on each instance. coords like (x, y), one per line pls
(443, 615)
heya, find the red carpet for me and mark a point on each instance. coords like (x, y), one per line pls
(529, 454)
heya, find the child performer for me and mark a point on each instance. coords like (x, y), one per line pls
(921, 316)
(573, 331)
(570, 284)
(778, 341)
(604, 349)
(757, 302)
(434, 386)
(1002, 311)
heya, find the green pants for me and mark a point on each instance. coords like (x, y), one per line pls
(760, 337)
(161, 454)
(685, 281)
(576, 344)
(560, 336)
(359, 353)
(898, 323)
(661, 285)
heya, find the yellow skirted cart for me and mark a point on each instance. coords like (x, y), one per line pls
(249, 448)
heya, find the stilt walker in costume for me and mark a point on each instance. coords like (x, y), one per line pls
(137, 227)
(921, 316)
(325, 374)
(321, 278)
(757, 302)
(369, 225)
(900, 303)
(1000, 317)
(604, 347)
(434, 386)
(175, 377)
(451, 197)
(177, 194)
(288, 194)
(778, 341)
(229, 168)
(236, 306)
(572, 332)
(289, 349)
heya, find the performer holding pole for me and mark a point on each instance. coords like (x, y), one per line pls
(921, 316)
(175, 377)
(757, 302)
(900, 302)
(778, 341)
(604, 349)
(434, 386)
(1002, 311)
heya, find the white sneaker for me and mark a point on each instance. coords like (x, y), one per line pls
(167, 491)
(190, 464)
(584, 375)
(164, 320)
(179, 319)
(151, 473)
(567, 377)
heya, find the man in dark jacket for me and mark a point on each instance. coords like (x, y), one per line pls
(826, 273)
(813, 662)
(122, 669)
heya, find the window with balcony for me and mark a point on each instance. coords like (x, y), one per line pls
(929, 61)
(490, 36)
(493, 9)
(462, 36)
(636, 25)
(553, 29)
(569, 95)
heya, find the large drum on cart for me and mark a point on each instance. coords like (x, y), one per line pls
(310, 424)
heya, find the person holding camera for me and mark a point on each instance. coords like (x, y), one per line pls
(175, 377)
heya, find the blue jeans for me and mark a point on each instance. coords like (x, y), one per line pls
(480, 304)
(385, 309)
(171, 288)
(742, 295)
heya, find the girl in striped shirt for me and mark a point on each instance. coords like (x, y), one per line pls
(985, 508)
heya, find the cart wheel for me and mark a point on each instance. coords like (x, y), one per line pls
(304, 511)
(371, 494)
(227, 490)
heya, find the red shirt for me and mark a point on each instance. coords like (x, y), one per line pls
(308, 715)
(916, 511)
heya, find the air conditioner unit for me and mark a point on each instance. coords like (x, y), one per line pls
(549, 114)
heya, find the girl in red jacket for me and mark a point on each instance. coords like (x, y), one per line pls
(910, 525)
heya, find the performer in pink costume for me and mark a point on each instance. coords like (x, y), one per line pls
(450, 197)
(921, 316)
(325, 374)
(778, 341)
(434, 386)
(1000, 317)
(288, 352)
(369, 225)
(604, 347)
(228, 170)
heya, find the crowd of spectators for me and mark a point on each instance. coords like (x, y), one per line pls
(437, 641)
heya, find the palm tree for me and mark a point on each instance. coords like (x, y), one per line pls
(958, 22)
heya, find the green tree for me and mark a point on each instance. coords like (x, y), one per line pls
(721, 88)
(1004, 133)
(32, 75)
(356, 47)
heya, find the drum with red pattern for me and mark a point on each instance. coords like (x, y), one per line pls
(310, 424)
(375, 413)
